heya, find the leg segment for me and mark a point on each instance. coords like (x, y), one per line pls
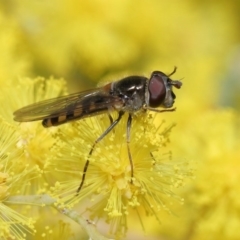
(129, 123)
(93, 146)
(159, 110)
(110, 118)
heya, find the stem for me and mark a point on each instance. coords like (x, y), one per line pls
(46, 200)
(39, 200)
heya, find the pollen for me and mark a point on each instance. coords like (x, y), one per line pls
(109, 183)
(3, 186)
(12, 224)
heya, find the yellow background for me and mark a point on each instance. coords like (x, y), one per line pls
(90, 41)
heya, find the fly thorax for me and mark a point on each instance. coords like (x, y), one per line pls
(133, 103)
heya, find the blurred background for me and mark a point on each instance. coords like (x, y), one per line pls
(86, 42)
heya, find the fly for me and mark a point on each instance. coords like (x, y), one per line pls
(130, 94)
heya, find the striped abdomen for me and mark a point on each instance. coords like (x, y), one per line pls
(90, 107)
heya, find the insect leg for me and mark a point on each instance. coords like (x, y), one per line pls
(110, 118)
(129, 123)
(93, 146)
(159, 110)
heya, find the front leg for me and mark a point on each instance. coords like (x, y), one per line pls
(129, 123)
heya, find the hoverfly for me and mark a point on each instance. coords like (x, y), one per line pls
(130, 94)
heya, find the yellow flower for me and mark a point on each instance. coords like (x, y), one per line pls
(58, 155)
(53, 229)
(211, 209)
(33, 139)
(108, 185)
(13, 180)
(214, 195)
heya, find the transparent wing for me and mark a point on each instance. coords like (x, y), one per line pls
(86, 103)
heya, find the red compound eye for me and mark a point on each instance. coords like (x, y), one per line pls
(157, 90)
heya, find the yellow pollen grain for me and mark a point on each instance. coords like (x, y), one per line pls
(121, 183)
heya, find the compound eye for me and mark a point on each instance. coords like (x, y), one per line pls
(157, 90)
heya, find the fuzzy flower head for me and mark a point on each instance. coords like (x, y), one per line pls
(113, 193)
(53, 229)
(13, 180)
(214, 196)
(33, 140)
(117, 188)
